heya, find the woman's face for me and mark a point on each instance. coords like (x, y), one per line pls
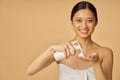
(84, 23)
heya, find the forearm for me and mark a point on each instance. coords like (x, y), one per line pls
(40, 62)
(99, 73)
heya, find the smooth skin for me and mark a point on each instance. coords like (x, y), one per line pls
(84, 24)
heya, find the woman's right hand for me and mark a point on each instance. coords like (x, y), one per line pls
(67, 48)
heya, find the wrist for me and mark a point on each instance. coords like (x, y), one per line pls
(50, 50)
(58, 55)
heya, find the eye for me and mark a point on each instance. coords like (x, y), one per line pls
(90, 20)
(78, 20)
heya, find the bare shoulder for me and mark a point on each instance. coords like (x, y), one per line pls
(104, 51)
(107, 51)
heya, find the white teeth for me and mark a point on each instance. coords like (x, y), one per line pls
(84, 30)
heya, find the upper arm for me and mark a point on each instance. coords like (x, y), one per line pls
(107, 63)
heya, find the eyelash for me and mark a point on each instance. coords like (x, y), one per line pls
(90, 21)
(78, 20)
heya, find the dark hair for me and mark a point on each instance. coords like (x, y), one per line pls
(84, 5)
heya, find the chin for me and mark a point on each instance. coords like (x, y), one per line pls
(84, 35)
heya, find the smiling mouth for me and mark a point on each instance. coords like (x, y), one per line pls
(83, 31)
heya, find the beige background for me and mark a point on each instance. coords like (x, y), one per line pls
(28, 27)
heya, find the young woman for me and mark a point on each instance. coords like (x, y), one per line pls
(80, 58)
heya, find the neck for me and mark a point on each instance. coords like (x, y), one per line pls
(85, 42)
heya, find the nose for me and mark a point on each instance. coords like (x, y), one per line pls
(84, 25)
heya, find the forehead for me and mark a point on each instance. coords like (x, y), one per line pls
(84, 13)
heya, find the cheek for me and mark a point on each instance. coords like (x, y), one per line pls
(92, 28)
(75, 25)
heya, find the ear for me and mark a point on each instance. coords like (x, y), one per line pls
(71, 22)
(96, 24)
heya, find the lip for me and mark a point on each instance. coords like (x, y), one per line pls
(84, 31)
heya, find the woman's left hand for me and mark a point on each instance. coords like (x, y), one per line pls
(94, 57)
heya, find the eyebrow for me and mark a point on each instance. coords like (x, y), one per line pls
(83, 18)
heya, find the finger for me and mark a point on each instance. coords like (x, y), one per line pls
(87, 58)
(78, 43)
(67, 52)
(71, 48)
(84, 58)
(94, 54)
(92, 57)
(77, 47)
